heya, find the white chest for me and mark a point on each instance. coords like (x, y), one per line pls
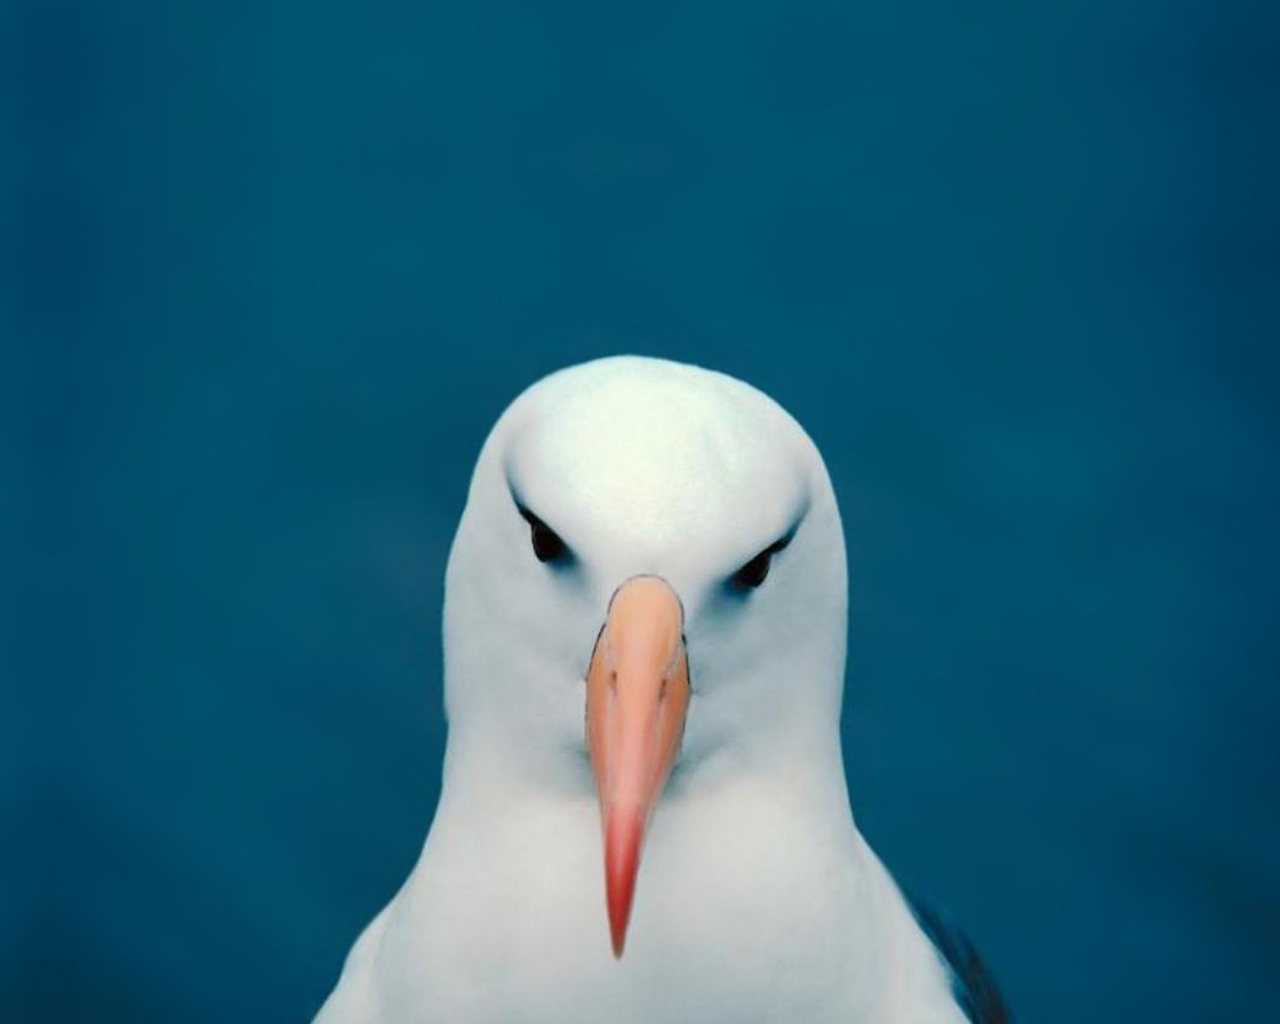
(740, 915)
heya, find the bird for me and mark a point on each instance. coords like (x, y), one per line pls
(644, 816)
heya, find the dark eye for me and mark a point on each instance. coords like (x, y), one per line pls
(756, 571)
(547, 545)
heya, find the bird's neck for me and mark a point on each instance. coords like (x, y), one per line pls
(802, 768)
(746, 874)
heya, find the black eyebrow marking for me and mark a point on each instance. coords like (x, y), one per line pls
(753, 572)
(549, 547)
(528, 516)
(779, 544)
(788, 535)
(522, 508)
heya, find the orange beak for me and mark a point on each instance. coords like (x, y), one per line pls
(637, 696)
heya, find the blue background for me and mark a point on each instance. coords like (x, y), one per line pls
(270, 270)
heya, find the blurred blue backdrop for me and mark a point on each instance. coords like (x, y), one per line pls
(272, 269)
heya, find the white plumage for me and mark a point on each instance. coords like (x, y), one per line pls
(757, 898)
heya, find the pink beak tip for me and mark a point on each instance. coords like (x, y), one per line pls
(623, 839)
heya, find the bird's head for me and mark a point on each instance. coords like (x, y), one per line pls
(647, 592)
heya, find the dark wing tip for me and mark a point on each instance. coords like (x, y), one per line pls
(975, 990)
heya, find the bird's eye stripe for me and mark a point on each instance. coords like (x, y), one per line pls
(548, 546)
(777, 545)
(755, 571)
(529, 517)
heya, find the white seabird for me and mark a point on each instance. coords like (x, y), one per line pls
(644, 635)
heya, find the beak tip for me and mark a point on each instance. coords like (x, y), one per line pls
(624, 836)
